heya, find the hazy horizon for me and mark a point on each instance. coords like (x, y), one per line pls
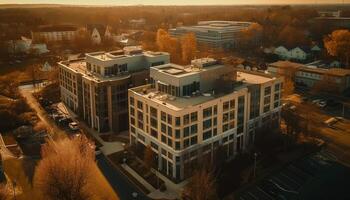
(176, 2)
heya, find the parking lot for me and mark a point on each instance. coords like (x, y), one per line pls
(292, 181)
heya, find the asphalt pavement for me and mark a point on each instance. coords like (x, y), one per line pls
(121, 185)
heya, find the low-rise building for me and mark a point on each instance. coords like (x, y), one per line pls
(96, 87)
(334, 80)
(217, 34)
(187, 113)
(54, 33)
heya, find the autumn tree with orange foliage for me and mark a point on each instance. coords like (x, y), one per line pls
(169, 44)
(292, 37)
(338, 44)
(251, 35)
(188, 47)
(65, 169)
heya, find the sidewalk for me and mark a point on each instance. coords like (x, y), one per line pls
(107, 147)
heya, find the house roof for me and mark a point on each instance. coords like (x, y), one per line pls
(286, 64)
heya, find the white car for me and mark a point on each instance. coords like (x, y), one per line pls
(322, 104)
(73, 126)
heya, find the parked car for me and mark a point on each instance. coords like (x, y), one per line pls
(322, 104)
(73, 126)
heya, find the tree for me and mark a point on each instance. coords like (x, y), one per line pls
(169, 44)
(338, 44)
(82, 40)
(148, 157)
(292, 36)
(201, 186)
(188, 47)
(65, 169)
(251, 35)
(288, 87)
(4, 192)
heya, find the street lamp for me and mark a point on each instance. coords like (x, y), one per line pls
(255, 155)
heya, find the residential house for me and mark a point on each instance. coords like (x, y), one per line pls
(54, 33)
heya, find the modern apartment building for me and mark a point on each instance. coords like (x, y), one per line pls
(54, 33)
(96, 87)
(187, 112)
(217, 34)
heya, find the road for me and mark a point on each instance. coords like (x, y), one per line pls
(56, 132)
(118, 181)
(337, 138)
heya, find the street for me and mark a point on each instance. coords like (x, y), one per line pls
(118, 181)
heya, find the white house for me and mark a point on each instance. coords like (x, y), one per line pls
(315, 48)
(299, 53)
(108, 33)
(21, 45)
(46, 67)
(39, 48)
(95, 37)
(282, 52)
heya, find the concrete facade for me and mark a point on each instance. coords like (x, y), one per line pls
(183, 121)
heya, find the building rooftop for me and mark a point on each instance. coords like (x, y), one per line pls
(56, 28)
(218, 26)
(244, 79)
(286, 64)
(79, 66)
(126, 52)
(253, 77)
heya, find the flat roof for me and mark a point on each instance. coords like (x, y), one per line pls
(286, 64)
(251, 78)
(126, 53)
(177, 103)
(79, 66)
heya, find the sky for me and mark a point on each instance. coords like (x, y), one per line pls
(170, 2)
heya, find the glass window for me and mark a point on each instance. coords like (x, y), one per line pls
(232, 104)
(163, 116)
(194, 129)
(207, 124)
(186, 131)
(177, 133)
(177, 121)
(139, 105)
(170, 131)
(194, 117)
(170, 119)
(207, 135)
(163, 128)
(186, 119)
(225, 106)
(132, 101)
(177, 145)
(207, 112)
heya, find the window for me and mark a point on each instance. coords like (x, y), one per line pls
(225, 127)
(154, 133)
(186, 131)
(177, 121)
(194, 140)
(207, 135)
(194, 129)
(177, 134)
(225, 117)
(177, 145)
(194, 117)
(153, 112)
(132, 101)
(207, 124)
(154, 146)
(207, 112)
(215, 121)
(225, 106)
(163, 128)
(232, 104)
(139, 105)
(163, 116)
(267, 90)
(186, 143)
(170, 119)
(170, 142)
(186, 119)
(170, 131)
(277, 87)
(163, 139)
(132, 111)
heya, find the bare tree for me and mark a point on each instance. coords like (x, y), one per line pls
(4, 192)
(148, 157)
(65, 169)
(201, 186)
